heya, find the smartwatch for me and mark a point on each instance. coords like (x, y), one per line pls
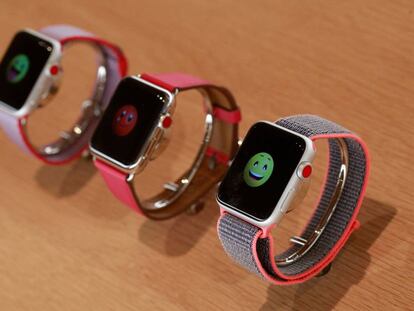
(273, 162)
(135, 126)
(30, 72)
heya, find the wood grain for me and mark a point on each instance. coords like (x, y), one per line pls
(67, 244)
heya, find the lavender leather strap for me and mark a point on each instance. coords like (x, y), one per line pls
(251, 248)
(113, 63)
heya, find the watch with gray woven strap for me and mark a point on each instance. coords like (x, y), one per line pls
(273, 162)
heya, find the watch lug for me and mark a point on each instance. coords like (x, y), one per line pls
(142, 163)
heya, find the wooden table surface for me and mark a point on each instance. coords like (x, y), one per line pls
(67, 244)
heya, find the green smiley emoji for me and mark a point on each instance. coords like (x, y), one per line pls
(18, 68)
(258, 170)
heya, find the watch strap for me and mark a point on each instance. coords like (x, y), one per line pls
(116, 67)
(252, 247)
(221, 148)
(118, 183)
(175, 80)
(179, 81)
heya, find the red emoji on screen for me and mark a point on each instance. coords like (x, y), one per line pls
(125, 120)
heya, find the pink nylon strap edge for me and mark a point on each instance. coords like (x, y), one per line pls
(308, 274)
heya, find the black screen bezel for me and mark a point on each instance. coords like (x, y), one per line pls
(259, 203)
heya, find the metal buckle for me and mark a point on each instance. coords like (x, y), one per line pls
(91, 109)
(176, 189)
(306, 244)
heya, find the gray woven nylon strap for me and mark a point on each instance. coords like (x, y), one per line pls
(238, 236)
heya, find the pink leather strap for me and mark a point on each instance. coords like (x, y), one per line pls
(181, 81)
(232, 117)
(116, 69)
(118, 182)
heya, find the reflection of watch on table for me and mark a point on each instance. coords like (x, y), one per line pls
(29, 73)
(133, 131)
(266, 173)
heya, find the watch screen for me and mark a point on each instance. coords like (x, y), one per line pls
(21, 66)
(261, 170)
(129, 121)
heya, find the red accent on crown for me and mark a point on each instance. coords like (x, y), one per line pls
(54, 70)
(307, 171)
(166, 122)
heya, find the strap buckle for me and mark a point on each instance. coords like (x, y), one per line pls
(305, 244)
(91, 111)
(176, 189)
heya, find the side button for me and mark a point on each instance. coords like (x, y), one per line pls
(304, 170)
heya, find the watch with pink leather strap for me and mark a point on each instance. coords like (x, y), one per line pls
(30, 72)
(271, 166)
(134, 128)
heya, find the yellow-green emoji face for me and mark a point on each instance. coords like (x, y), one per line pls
(258, 170)
(18, 68)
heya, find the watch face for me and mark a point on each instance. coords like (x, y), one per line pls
(261, 170)
(21, 66)
(129, 121)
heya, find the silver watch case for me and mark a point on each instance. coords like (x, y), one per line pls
(152, 145)
(292, 189)
(44, 84)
